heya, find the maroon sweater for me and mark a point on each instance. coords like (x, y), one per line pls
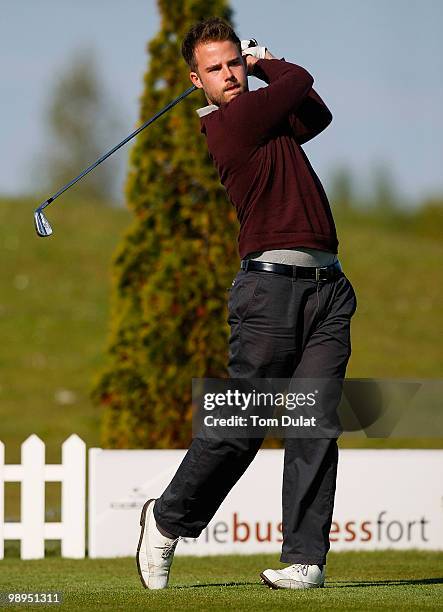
(254, 142)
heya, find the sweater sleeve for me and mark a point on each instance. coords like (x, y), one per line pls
(311, 118)
(255, 114)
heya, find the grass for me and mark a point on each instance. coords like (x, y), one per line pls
(54, 312)
(395, 276)
(355, 581)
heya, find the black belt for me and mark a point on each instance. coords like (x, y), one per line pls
(326, 273)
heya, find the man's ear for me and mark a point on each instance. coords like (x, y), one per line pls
(196, 80)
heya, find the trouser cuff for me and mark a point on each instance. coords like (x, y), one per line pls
(305, 559)
(177, 530)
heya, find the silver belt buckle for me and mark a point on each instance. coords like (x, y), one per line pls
(317, 274)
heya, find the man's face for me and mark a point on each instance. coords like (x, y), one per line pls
(221, 71)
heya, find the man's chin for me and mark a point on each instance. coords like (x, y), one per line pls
(227, 96)
(232, 93)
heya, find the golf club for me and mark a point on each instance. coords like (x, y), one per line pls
(42, 225)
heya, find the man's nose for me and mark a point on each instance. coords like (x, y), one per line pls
(227, 73)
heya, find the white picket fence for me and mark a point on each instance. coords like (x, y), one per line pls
(32, 473)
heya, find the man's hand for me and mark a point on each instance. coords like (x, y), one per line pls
(250, 61)
(252, 52)
(251, 47)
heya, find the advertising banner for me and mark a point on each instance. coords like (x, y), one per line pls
(385, 499)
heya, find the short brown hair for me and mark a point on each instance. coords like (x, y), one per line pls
(212, 29)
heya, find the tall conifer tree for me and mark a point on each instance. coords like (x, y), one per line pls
(174, 265)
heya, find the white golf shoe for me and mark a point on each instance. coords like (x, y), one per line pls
(155, 552)
(296, 576)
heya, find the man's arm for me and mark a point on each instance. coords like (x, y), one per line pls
(256, 114)
(311, 117)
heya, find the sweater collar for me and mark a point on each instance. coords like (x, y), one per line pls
(205, 110)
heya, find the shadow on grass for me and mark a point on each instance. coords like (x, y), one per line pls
(216, 584)
(330, 585)
(370, 583)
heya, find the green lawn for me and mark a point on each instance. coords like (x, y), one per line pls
(397, 279)
(54, 310)
(355, 581)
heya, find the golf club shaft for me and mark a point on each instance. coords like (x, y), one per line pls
(106, 155)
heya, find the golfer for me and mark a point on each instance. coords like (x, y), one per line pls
(290, 304)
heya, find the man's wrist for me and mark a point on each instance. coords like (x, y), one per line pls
(260, 69)
(268, 55)
(255, 70)
(251, 60)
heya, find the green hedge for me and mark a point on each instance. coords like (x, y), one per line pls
(175, 263)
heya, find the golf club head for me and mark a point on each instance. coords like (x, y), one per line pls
(42, 225)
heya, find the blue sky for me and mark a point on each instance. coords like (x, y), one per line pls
(378, 64)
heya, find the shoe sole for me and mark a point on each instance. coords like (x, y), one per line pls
(268, 583)
(275, 587)
(142, 524)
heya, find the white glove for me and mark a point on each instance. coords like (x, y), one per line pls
(251, 47)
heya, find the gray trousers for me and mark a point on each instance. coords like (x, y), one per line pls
(280, 328)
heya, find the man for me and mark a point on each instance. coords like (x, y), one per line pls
(290, 305)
